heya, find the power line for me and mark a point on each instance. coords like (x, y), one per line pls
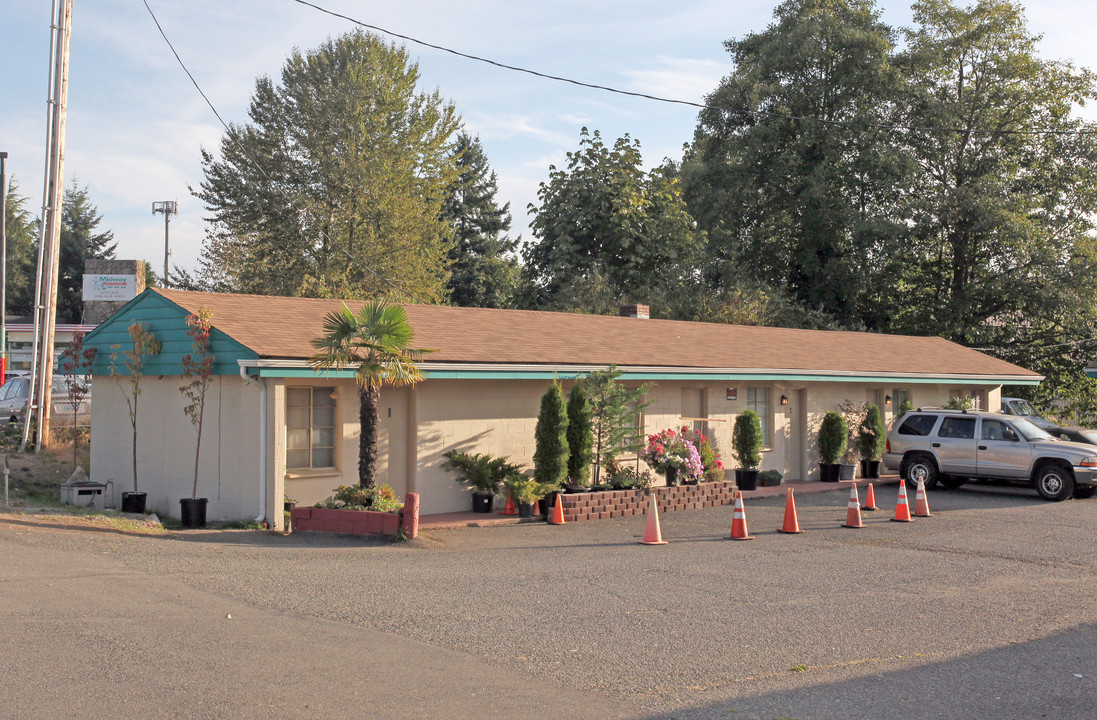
(690, 103)
(261, 169)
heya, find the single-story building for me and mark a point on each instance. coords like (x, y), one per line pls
(275, 428)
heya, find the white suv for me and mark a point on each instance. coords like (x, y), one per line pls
(954, 445)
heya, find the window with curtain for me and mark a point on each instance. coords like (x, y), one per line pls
(758, 401)
(310, 428)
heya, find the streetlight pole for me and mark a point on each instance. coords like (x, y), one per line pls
(169, 208)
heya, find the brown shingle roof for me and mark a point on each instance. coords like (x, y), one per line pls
(282, 328)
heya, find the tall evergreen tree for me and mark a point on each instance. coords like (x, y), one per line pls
(609, 233)
(80, 242)
(580, 435)
(789, 172)
(22, 248)
(336, 186)
(550, 455)
(482, 273)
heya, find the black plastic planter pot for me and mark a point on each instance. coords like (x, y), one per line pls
(192, 512)
(133, 502)
(548, 503)
(829, 472)
(525, 510)
(482, 502)
(746, 479)
(870, 469)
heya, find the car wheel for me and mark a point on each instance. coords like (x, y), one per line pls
(1054, 482)
(921, 467)
(1084, 491)
(951, 482)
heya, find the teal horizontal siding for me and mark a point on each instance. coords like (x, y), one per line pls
(168, 322)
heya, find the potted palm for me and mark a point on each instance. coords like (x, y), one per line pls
(145, 344)
(197, 369)
(832, 439)
(746, 443)
(481, 473)
(870, 442)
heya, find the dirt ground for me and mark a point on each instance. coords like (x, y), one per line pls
(33, 491)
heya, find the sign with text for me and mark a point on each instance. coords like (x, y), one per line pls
(110, 287)
(732, 394)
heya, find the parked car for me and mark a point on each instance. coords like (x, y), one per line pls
(16, 391)
(1023, 408)
(952, 446)
(1074, 433)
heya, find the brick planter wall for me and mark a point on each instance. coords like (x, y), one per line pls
(623, 503)
(359, 522)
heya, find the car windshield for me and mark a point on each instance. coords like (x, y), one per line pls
(1021, 407)
(1029, 431)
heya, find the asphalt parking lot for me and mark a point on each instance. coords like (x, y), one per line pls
(988, 609)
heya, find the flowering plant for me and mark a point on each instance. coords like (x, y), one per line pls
(710, 456)
(669, 448)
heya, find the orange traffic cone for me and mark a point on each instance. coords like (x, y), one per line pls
(921, 502)
(508, 509)
(739, 520)
(652, 535)
(792, 525)
(557, 513)
(902, 508)
(853, 511)
(870, 499)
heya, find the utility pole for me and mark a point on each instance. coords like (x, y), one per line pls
(169, 208)
(3, 268)
(49, 256)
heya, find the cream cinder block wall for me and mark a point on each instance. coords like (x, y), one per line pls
(166, 440)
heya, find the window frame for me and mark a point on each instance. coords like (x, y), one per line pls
(767, 416)
(312, 468)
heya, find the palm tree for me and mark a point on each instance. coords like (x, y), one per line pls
(376, 343)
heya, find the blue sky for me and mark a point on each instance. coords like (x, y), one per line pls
(136, 124)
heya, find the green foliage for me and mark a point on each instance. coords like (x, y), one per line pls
(551, 452)
(376, 342)
(962, 402)
(904, 408)
(79, 242)
(580, 435)
(22, 232)
(833, 436)
(624, 478)
(336, 186)
(479, 472)
(746, 439)
(615, 414)
(607, 232)
(483, 273)
(378, 498)
(524, 490)
(805, 205)
(770, 477)
(871, 438)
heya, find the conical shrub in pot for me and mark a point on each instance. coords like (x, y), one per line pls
(833, 436)
(746, 443)
(871, 440)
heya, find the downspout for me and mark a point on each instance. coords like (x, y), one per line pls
(262, 516)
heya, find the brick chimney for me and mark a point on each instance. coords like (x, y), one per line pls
(636, 311)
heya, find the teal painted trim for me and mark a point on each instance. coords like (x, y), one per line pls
(168, 322)
(300, 373)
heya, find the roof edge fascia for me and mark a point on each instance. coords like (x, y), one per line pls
(290, 368)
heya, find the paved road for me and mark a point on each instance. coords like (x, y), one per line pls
(988, 609)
